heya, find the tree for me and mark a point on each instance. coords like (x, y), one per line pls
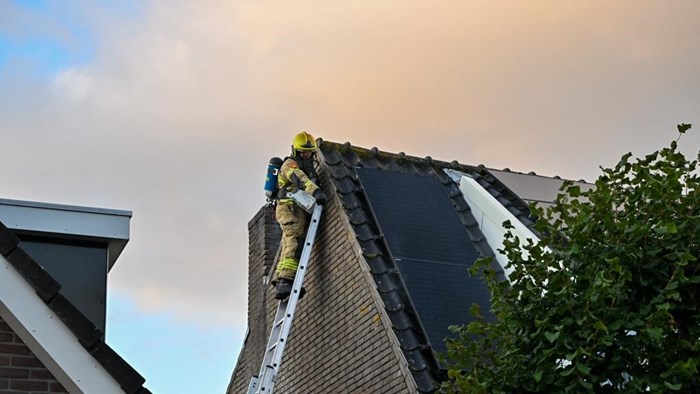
(606, 301)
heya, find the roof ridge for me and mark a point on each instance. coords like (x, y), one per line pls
(375, 152)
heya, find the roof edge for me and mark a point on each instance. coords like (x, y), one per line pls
(64, 207)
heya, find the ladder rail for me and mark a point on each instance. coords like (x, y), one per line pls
(282, 323)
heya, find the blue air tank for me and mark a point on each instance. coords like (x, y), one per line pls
(273, 168)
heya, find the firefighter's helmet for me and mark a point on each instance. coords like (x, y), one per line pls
(304, 142)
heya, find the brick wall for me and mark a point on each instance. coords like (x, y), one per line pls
(264, 235)
(341, 339)
(20, 371)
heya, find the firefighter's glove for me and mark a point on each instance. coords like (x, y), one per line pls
(320, 197)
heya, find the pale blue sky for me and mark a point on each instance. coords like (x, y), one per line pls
(172, 109)
(66, 44)
(175, 357)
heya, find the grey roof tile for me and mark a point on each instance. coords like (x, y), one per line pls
(365, 232)
(340, 172)
(417, 362)
(385, 283)
(358, 217)
(45, 285)
(377, 265)
(424, 380)
(350, 201)
(80, 326)
(393, 301)
(345, 186)
(401, 321)
(371, 249)
(8, 241)
(410, 341)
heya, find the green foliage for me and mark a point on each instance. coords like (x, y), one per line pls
(607, 301)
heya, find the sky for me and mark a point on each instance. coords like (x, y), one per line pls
(171, 109)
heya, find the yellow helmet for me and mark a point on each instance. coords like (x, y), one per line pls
(304, 142)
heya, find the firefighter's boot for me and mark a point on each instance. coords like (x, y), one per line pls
(283, 288)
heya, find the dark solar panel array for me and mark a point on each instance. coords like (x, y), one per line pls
(430, 245)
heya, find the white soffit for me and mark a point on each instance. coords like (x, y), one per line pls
(490, 215)
(48, 338)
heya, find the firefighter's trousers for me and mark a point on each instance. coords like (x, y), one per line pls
(293, 221)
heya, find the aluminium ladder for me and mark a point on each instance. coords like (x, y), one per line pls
(264, 382)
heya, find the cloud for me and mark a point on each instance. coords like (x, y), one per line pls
(73, 84)
(181, 104)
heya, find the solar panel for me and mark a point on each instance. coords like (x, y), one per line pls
(430, 245)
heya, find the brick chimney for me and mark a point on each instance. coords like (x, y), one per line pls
(264, 236)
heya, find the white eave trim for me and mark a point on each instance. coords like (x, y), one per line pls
(69, 221)
(490, 215)
(48, 338)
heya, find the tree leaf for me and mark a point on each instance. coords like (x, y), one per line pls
(667, 228)
(683, 127)
(585, 369)
(537, 376)
(574, 191)
(552, 336)
(600, 326)
(654, 333)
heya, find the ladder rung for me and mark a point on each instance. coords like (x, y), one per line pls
(279, 323)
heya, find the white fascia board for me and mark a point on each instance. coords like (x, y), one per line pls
(490, 215)
(69, 221)
(65, 219)
(48, 338)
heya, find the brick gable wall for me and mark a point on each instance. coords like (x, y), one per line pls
(20, 371)
(264, 236)
(341, 340)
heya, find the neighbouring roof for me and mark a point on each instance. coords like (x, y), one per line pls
(534, 188)
(419, 238)
(69, 221)
(49, 295)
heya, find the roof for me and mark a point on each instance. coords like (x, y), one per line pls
(395, 203)
(34, 306)
(69, 221)
(534, 188)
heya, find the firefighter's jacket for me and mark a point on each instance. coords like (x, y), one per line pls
(292, 178)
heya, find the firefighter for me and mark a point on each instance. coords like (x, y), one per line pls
(297, 172)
